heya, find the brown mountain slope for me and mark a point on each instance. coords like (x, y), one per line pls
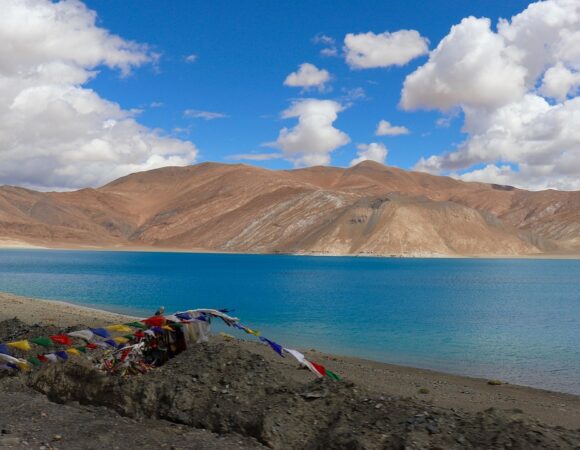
(366, 209)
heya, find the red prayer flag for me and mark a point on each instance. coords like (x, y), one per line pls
(154, 321)
(320, 369)
(42, 358)
(61, 339)
(91, 346)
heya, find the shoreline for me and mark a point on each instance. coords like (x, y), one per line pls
(21, 245)
(444, 390)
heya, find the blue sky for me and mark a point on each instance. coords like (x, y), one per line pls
(481, 90)
(246, 49)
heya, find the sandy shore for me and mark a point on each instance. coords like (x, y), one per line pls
(15, 244)
(445, 390)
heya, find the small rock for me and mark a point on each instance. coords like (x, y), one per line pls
(433, 429)
(314, 395)
(57, 437)
(378, 406)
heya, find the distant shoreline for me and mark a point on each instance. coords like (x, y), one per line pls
(445, 390)
(20, 245)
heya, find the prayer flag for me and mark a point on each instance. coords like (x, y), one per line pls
(51, 357)
(332, 375)
(111, 342)
(44, 341)
(101, 332)
(23, 345)
(119, 328)
(73, 351)
(4, 349)
(24, 366)
(87, 335)
(154, 321)
(276, 347)
(9, 359)
(34, 361)
(320, 369)
(121, 340)
(62, 354)
(61, 339)
(136, 325)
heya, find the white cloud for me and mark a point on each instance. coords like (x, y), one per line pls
(308, 76)
(329, 51)
(500, 81)
(471, 66)
(559, 81)
(53, 131)
(370, 152)
(369, 50)
(385, 128)
(329, 43)
(323, 39)
(314, 138)
(190, 59)
(206, 115)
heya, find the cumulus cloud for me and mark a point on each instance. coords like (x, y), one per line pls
(55, 133)
(384, 128)
(471, 66)
(370, 50)
(517, 89)
(370, 152)
(308, 76)
(206, 115)
(314, 138)
(190, 59)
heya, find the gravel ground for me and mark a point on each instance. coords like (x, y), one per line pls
(231, 395)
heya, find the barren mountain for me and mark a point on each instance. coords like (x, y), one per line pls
(368, 209)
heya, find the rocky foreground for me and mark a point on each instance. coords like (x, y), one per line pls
(224, 395)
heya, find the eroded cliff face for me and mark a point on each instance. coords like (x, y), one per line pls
(369, 209)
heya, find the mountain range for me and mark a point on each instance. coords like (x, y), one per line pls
(368, 209)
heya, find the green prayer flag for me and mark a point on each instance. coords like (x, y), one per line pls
(332, 375)
(129, 336)
(81, 349)
(34, 361)
(44, 341)
(136, 325)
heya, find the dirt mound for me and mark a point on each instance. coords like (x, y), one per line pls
(224, 395)
(226, 389)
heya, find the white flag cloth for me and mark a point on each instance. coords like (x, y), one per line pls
(87, 335)
(173, 318)
(303, 361)
(51, 357)
(9, 359)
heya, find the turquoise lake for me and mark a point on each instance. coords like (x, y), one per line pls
(515, 320)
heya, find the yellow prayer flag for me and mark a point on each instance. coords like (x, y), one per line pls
(73, 351)
(120, 328)
(24, 366)
(121, 340)
(167, 327)
(20, 345)
(254, 332)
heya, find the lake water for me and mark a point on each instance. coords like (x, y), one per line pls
(515, 320)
